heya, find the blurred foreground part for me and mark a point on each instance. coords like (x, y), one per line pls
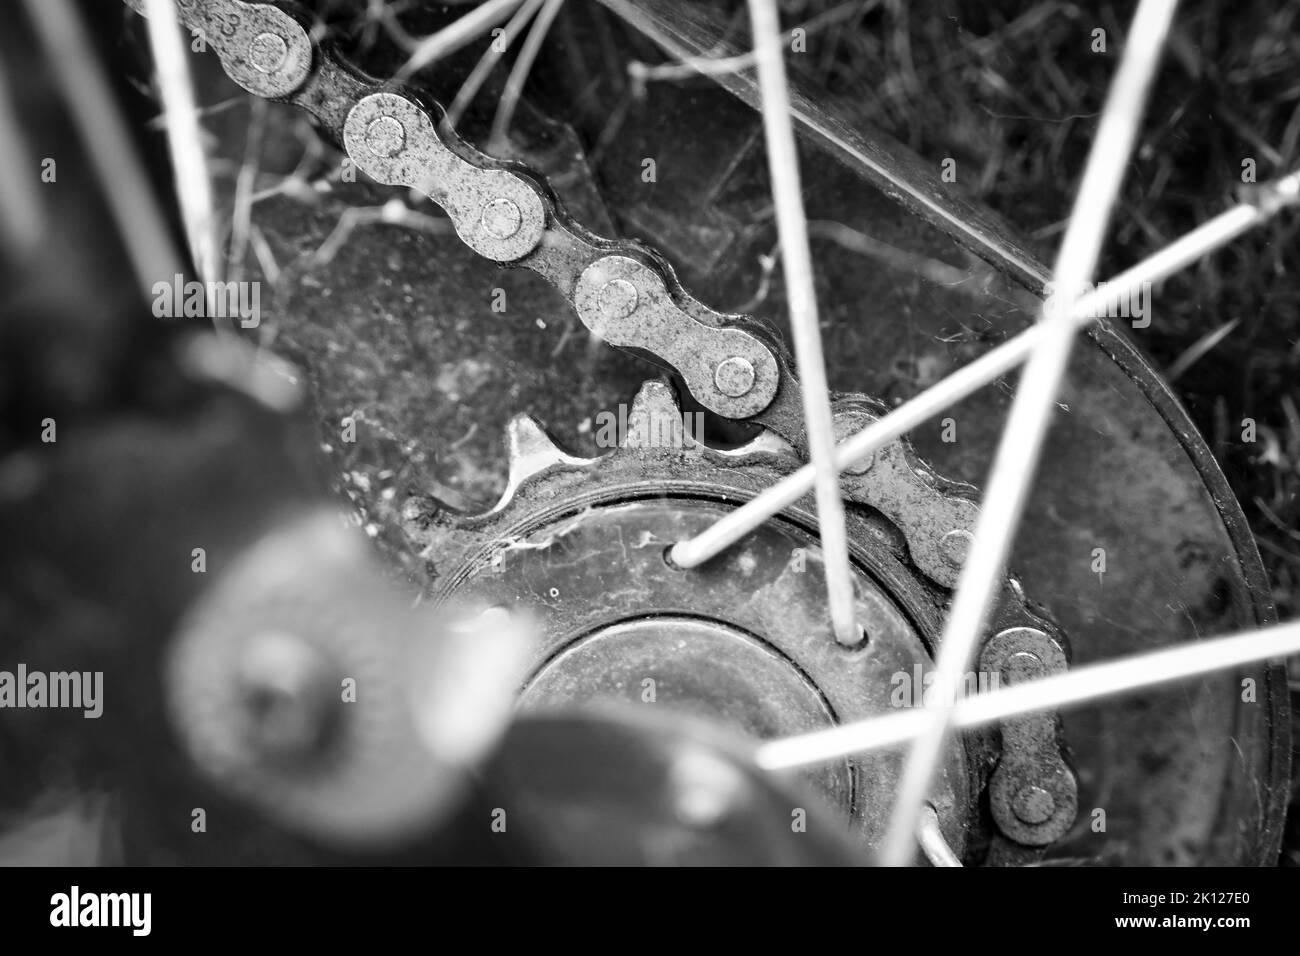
(306, 684)
(148, 468)
(125, 482)
(640, 787)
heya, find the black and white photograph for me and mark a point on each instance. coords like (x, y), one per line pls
(650, 433)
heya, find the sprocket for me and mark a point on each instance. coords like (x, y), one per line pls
(581, 546)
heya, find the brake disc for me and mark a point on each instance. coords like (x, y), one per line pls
(1182, 569)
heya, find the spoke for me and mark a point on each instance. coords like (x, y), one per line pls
(123, 183)
(796, 261)
(687, 66)
(241, 226)
(519, 73)
(1030, 417)
(1201, 241)
(1058, 692)
(193, 186)
(20, 205)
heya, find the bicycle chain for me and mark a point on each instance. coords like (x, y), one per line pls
(626, 294)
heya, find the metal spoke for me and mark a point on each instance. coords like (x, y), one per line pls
(193, 185)
(1058, 692)
(796, 261)
(122, 178)
(1018, 451)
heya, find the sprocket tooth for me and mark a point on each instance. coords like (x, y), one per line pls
(655, 420)
(531, 451)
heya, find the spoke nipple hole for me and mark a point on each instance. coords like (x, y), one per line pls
(268, 52)
(668, 559)
(859, 643)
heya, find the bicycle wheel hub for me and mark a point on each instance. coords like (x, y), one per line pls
(581, 548)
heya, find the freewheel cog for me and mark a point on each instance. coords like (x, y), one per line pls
(581, 547)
